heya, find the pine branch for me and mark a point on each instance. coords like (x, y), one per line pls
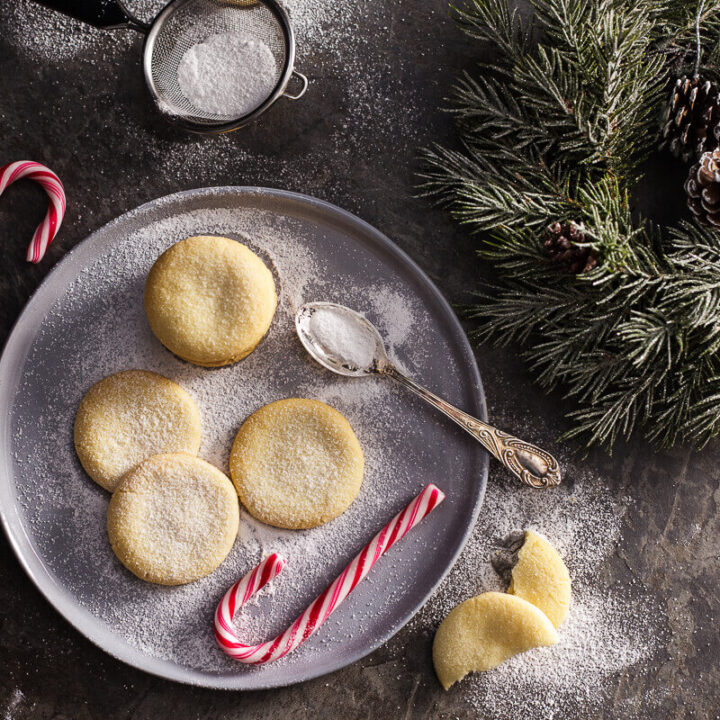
(640, 353)
(556, 130)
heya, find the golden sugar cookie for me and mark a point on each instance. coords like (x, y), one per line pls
(296, 464)
(127, 417)
(210, 300)
(486, 630)
(173, 519)
(541, 577)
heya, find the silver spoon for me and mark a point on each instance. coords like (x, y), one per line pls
(365, 355)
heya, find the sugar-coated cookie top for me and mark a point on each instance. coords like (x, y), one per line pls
(173, 519)
(127, 417)
(210, 300)
(296, 463)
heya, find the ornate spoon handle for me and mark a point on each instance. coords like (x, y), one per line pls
(530, 464)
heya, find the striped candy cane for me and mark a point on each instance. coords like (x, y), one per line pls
(48, 228)
(317, 613)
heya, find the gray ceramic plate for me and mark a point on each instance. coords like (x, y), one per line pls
(86, 320)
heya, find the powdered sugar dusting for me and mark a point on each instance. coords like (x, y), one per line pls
(98, 327)
(397, 317)
(54, 36)
(609, 629)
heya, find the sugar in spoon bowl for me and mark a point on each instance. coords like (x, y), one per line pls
(346, 343)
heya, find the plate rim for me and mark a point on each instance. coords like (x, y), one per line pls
(62, 601)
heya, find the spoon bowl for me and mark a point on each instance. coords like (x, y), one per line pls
(369, 357)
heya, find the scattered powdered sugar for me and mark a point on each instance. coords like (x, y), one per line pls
(51, 35)
(397, 317)
(609, 628)
(342, 338)
(45, 34)
(229, 74)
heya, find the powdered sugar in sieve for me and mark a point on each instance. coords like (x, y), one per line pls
(229, 74)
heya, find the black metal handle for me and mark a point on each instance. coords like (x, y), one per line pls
(100, 13)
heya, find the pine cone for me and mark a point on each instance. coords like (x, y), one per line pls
(703, 189)
(692, 121)
(562, 244)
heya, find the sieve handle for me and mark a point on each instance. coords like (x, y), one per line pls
(304, 86)
(99, 13)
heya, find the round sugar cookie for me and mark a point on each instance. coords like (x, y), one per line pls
(210, 300)
(296, 464)
(173, 519)
(127, 417)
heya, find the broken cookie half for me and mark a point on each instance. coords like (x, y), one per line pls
(486, 630)
(535, 572)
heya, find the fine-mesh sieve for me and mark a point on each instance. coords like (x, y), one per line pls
(185, 23)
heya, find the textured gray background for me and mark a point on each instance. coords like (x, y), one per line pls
(89, 118)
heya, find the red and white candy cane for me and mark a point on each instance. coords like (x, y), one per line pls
(317, 613)
(48, 228)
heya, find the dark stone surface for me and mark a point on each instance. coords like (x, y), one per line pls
(91, 120)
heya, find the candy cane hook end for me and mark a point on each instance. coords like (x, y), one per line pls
(50, 182)
(239, 594)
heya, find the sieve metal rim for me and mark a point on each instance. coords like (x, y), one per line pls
(210, 127)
